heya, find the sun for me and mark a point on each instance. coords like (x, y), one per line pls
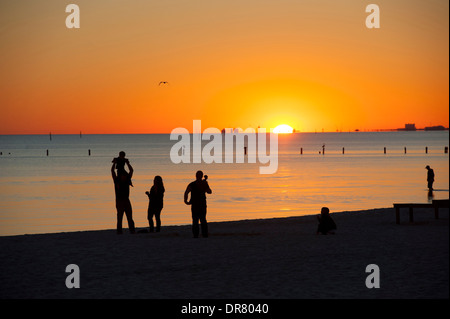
(283, 129)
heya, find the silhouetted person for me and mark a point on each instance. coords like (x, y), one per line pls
(120, 163)
(198, 190)
(155, 204)
(326, 223)
(430, 178)
(122, 182)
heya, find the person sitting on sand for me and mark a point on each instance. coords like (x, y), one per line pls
(155, 204)
(326, 223)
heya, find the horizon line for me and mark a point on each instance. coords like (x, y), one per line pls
(295, 132)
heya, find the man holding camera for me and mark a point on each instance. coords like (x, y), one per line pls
(198, 190)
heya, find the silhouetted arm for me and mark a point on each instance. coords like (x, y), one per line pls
(130, 168)
(113, 173)
(148, 193)
(207, 189)
(186, 193)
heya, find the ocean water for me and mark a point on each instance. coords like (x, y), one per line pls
(70, 190)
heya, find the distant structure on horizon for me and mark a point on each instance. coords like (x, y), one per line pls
(408, 127)
(412, 127)
(435, 128)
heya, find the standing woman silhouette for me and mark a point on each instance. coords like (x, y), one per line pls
(155, 204)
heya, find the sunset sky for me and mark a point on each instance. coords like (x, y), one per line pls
(311, 64)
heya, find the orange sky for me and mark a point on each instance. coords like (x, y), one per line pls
(311, 64)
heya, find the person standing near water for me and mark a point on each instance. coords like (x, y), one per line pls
(430, 178)
(155, 204)
(198, 190)
(122, 182)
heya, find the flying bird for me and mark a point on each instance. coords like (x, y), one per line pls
(163, 82)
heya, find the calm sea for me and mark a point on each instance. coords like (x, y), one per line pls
(70, 190)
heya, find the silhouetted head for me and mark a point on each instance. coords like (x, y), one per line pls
(158, 182)
(427, 167)
(324, 211)
(122, 154)
(199, 175)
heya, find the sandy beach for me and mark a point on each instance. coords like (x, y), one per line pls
(279, 258)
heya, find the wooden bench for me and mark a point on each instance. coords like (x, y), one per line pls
(436, 204)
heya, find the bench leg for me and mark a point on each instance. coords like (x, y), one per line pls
(397, 215)
(411, 217)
